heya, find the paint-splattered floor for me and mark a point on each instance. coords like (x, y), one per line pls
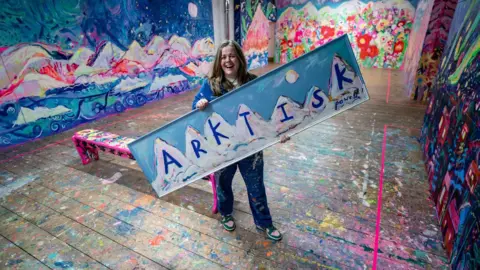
(323, 188)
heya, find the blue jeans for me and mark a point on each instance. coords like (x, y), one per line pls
(251, 169)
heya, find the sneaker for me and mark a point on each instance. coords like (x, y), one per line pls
(272, 232)
(228, 223)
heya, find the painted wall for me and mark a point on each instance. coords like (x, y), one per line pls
(252, 19)
(415, 44)
(451, 141)
(432, 50)
(379, 30)
(68, 62)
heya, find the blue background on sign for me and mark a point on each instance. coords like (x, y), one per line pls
(260, 95)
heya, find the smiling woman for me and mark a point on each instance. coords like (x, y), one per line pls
(230, 72)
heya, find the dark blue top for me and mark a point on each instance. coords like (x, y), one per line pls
(206, 91)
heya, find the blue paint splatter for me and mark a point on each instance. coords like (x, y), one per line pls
(214, 256)
(58, 228)
(52, 256)
(14, 262)
(64, 265)
(130, 213)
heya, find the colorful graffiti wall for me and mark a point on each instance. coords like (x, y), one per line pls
(68, 62)
(379, 30)
(415, 44)
(451, 141)
(433, 46)
(252, 19)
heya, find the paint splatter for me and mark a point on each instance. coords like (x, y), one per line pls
(16, 184)
(64, 265)
(14, 262)
(112, 179)
(157, 240)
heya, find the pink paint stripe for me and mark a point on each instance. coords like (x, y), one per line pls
(388, 85)
(379, 204)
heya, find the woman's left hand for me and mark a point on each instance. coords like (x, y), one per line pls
(284, 139)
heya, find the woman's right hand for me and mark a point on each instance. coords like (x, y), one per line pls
(202, 104)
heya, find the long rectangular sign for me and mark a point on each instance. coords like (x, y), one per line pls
(287, 100)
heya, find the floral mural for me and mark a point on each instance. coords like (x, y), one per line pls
(91, 58)
(379, 31)
(433, 46)
(450, 138)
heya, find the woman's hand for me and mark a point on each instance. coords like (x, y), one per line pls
(202, 104)
(284, 139)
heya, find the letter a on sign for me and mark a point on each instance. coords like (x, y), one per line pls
(287, 100)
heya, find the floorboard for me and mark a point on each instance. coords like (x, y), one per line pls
(322, 189)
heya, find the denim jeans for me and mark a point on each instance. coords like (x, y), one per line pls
(251, 169)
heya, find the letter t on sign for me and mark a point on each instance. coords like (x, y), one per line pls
(244, 114)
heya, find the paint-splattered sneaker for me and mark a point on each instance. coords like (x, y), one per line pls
(228, 223)
(272, 232)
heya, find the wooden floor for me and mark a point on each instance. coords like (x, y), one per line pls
(323, 188)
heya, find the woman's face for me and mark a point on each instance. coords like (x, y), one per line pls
(229, 62)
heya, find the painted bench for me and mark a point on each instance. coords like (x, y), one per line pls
(89, 141)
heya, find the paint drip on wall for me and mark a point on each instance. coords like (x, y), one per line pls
(379, 31)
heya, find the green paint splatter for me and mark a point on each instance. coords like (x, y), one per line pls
(339, 238)
(410, 260)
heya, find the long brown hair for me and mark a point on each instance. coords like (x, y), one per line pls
(217, 79)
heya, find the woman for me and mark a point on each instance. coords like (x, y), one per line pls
(229, 72)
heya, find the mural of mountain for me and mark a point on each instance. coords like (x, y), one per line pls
(256, 41)
(42, 76)
(251, 24)
(77, 61)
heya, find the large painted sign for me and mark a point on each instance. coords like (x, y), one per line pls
(287, 100)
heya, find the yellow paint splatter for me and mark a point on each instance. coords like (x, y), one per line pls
(332, 222)
(284, 189)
